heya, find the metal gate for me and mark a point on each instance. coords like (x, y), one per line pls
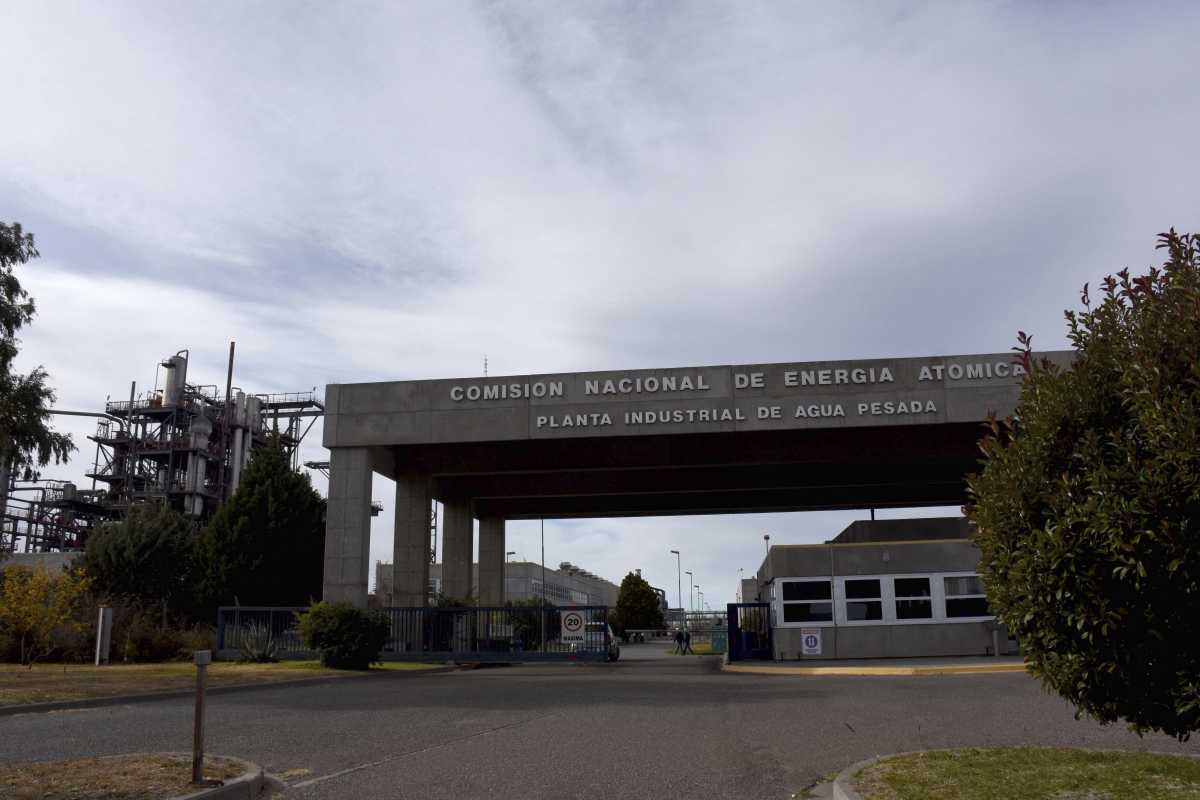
(502, 633)
(750, 631)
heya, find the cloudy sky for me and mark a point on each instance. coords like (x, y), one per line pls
(358, 191)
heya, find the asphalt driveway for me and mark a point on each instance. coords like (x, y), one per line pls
(661, 728)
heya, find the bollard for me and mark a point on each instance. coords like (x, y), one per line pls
(996, 642)
(104, 635)
(203, 659)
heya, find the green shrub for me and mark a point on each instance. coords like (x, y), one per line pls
(146, 642)
(346, 637)
(1088, 505)
(198, 637)
(257, 644)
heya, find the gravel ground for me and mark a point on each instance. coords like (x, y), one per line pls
(643, 728)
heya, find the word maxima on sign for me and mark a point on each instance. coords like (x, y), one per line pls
(795, 378)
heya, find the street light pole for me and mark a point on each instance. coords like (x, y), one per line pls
(678, 579)
(767, 542)
(691, 597)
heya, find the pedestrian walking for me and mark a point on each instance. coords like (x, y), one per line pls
(687, 643)
(678, 643)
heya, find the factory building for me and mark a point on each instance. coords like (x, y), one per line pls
(181, 443)
(900, 588)
(568, 585)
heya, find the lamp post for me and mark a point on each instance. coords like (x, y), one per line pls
(767, 542)
(691, 597)
(678, 578)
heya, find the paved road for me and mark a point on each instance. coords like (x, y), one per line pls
(660, 728)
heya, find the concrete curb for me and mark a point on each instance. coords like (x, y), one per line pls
(149, 697)
(247, 786)
(949, 669)
(843, 790)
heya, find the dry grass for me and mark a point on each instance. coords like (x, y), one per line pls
(130, 777)
(1031, 773)
(52, 682)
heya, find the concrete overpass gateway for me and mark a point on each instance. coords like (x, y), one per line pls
(701, 440)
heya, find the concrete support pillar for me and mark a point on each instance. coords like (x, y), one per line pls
(457, 544)
(410, 552)
(491, 561)
(348, 526)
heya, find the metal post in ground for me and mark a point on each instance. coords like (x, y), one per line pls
(203, 659)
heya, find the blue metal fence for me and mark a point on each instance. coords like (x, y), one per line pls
(749, 631)
(503, 633)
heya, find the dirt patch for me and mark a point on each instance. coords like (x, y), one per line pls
(130, 777)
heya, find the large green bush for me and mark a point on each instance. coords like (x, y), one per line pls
(266, 546)
(347, 637)
(1088, 504)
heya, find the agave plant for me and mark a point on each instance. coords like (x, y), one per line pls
(258, 645)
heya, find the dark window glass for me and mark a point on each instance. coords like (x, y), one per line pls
(912, 587)
(859, 610)
(808, 612)
(967, 607)
(863, 588)
(914, 609)
(970, 584)
(809, 590)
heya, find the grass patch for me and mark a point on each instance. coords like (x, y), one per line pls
(1031, 773)
(47, 683)
(131, 777)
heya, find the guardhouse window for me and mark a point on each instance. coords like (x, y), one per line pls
(914, 600)
(864, 600)
(965, 597)
(807, 601)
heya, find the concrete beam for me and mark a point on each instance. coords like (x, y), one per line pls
(348, 526)
(410, 543)
(458, 535)
(491, 561)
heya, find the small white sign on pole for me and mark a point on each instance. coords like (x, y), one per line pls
(810, 641)
(572, 627)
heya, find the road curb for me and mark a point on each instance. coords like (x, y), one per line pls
(842, 790)
(965, 669)
(174, 694)
(247, 786)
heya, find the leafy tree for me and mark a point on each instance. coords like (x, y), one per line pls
(266, 546)
(145, 558)
(637, 606)
(1088, 504)
(26, 439)
(34, 606)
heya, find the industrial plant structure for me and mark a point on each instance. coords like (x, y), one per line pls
(182, 444)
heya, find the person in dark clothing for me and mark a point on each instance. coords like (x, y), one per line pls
(679, 642)
(687, 643)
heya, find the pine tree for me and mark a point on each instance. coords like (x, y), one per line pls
(637, 605)
(145, 558)
(266, 546)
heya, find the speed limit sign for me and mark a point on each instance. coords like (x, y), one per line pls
(572, 627)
